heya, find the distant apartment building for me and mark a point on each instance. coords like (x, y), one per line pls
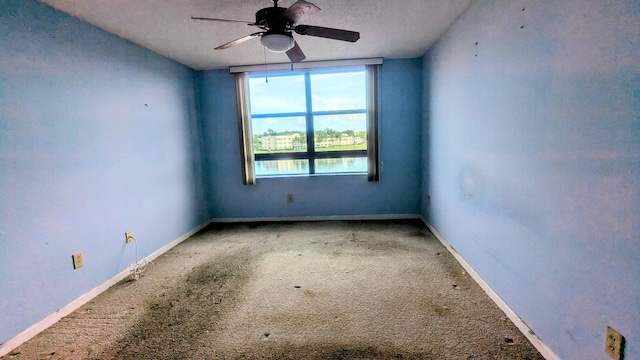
(283, 142)
(344, 139)
(297, 142)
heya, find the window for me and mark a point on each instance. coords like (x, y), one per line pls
(315, 121)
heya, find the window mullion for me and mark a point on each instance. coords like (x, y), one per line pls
(310, 129)
(278, 115)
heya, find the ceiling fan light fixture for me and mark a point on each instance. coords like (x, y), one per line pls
(278, 43)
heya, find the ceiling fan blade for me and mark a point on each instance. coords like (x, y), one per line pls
(298, 10)
(329, 33)
(295, 54)
(239, 41)
(223, 20)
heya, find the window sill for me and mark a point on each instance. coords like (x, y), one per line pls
(262, 177)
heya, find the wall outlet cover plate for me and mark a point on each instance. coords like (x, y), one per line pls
(77, 260)
(614, 344)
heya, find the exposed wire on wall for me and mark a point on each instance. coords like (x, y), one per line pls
(140, 267)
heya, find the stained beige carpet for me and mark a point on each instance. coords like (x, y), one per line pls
(317, 290)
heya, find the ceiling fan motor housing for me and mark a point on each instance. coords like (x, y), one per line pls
(271, 19)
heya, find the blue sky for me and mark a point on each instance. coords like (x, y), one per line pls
(278, 94)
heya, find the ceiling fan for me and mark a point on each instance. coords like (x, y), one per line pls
(279, 23)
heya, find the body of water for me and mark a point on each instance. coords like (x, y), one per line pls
(301, 167)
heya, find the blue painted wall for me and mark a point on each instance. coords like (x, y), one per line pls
(97, 136)
(533, 156)
(398, 192)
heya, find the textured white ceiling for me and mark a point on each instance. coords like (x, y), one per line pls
(388, 28)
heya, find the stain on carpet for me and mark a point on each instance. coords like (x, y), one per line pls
(175, 322)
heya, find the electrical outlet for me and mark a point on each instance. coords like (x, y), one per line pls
(614, 344)
(77, 260)
(128, 236)
(289, 198)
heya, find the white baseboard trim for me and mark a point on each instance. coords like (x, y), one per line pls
(51, 319)
(319, 218)
(517, 321)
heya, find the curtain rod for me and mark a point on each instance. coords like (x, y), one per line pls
(305, 65)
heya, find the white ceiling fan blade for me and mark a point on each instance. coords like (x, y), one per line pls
(222, 20)
(299, 10)
(239, 41)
